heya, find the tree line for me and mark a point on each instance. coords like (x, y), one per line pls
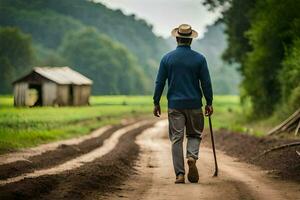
(118, 52)
(263, 38)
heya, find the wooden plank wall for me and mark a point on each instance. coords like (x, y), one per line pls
(49, 93)
(54, 94)
(85, 94)
(81, 94)
(62, 95)
(20, 94)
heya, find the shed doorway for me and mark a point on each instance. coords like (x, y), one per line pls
(35, 95)
(71, 95)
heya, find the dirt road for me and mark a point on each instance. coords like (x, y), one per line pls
(236, 180)
(129, 161)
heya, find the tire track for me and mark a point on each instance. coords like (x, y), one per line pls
(92, 180)
(60, 154)
(155, 179)
(108, 145)
(26, 154)
(47, 155)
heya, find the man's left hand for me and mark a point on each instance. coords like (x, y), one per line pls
(208, 110)
(156, 111)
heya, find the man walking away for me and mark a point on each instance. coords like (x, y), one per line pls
(185, 71)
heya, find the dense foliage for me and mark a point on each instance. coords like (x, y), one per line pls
(263, 37)
(16, 56)
(289, 78)
(49, 21)
(115, 71)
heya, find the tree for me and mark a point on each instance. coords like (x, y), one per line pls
(16, 56)
(6, 75)
(262, 38)
(271, 36)
(290, 78)
(110, 65)
(236, 16)
(49, 20)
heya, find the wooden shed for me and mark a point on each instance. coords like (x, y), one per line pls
(52, 86)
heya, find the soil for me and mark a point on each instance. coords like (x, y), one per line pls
(155, 176)
(134, 162)
(54, 157)
(92, 179)
(283, 163)
(58, 155)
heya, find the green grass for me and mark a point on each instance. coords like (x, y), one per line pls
(6, 101)
(27, 127)
(226, 108)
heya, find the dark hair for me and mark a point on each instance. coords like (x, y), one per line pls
(186, 41)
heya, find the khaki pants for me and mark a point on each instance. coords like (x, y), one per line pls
(193, 121)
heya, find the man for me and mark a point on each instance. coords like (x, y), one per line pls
(185, 70)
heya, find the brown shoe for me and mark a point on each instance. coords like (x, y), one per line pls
(179, 179)
(193, 175)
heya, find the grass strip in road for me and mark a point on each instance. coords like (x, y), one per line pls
(54, 157)
(93, 180)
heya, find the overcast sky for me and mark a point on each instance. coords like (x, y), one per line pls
(164, 15)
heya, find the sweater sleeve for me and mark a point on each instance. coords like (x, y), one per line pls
(206, 83)
(160, 82)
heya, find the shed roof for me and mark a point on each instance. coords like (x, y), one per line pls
(62, 75)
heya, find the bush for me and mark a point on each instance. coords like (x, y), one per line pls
(290, 74)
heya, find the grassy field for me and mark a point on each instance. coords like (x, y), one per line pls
(27, 127)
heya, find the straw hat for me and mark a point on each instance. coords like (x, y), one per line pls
(184, 31)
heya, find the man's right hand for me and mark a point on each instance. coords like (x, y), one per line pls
(156, 111)
(208, 110)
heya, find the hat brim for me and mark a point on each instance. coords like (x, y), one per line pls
(175, 33)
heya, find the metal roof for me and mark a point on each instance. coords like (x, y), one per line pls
(63, 75)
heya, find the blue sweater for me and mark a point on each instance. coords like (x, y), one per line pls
(185, 70)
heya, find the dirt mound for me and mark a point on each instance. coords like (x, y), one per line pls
(55, 157)
(99, 177)
(283, 163)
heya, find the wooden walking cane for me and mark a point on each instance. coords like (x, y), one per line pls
(213, 146)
